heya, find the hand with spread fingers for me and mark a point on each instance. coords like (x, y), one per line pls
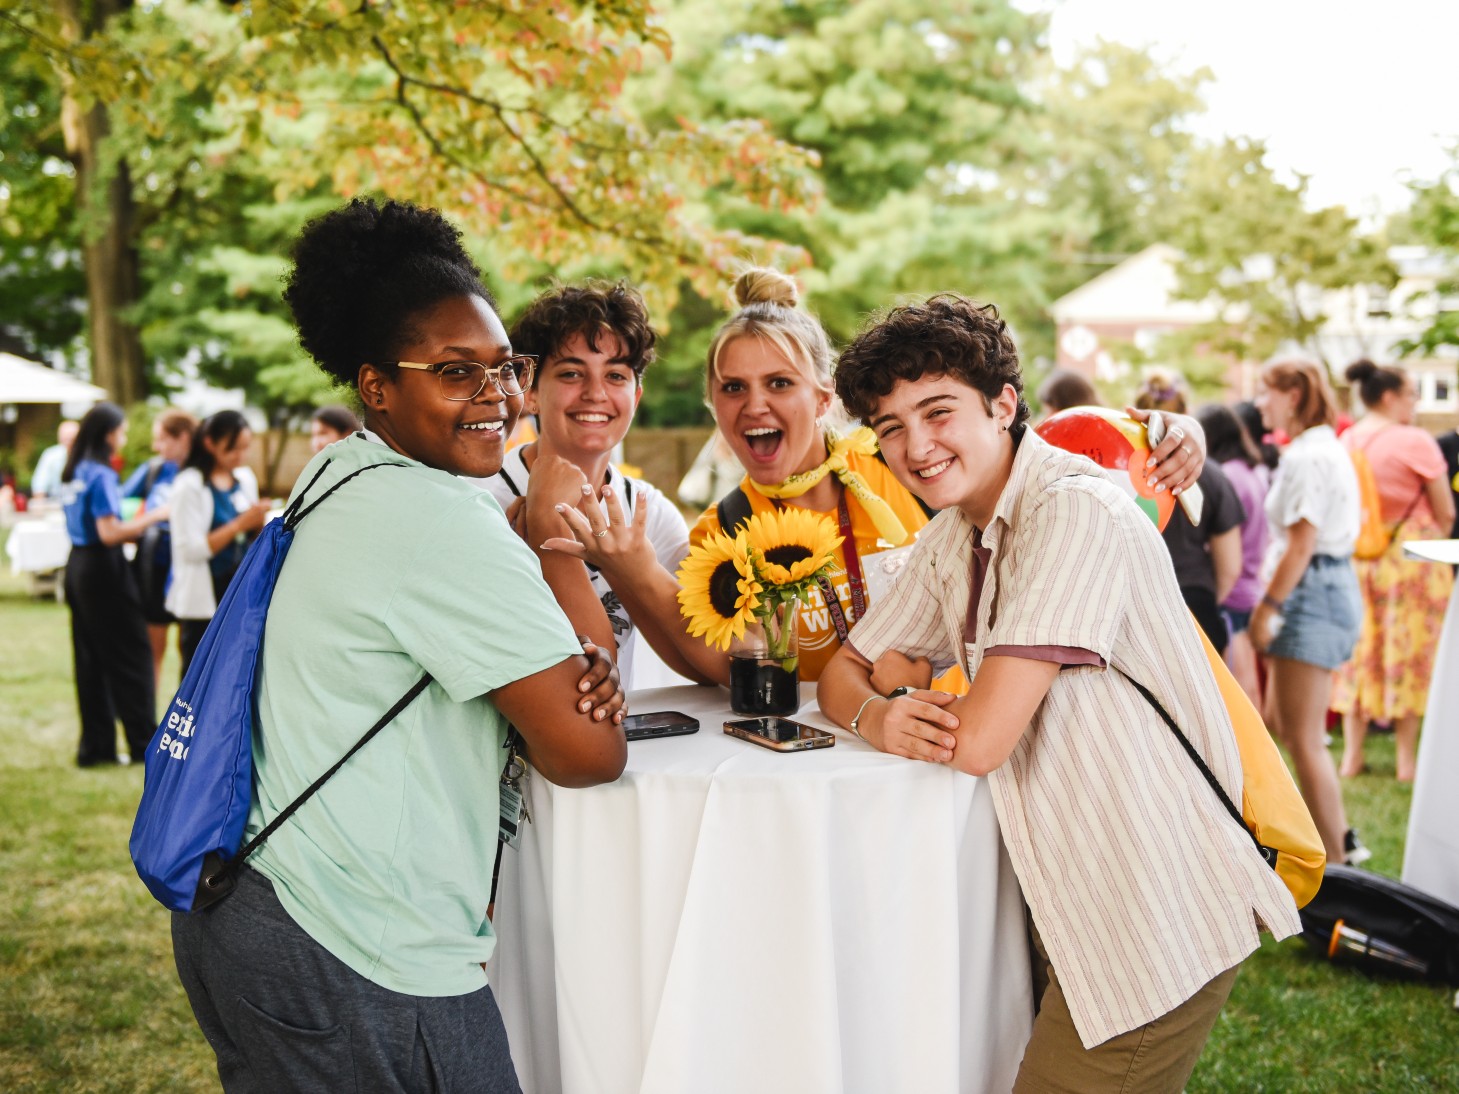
(1176, 462)
(914, 725)
(604, 536)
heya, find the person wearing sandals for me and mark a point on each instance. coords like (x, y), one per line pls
(1404, 600)
(1308, 619)
(1055, 593)
(350, 952)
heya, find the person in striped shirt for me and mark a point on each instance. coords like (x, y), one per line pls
(1055, 594)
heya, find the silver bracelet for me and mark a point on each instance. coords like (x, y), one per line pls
(896, 693)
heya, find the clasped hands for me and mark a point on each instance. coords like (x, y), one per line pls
(915, 725)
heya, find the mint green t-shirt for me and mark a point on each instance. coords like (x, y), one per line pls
(404, 570)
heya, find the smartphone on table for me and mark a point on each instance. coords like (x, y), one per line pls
(662, 723)
(781, 734)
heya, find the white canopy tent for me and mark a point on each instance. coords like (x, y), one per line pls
(23, 381)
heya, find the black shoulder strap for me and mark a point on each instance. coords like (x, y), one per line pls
(1267, 853)
(512, 486)
(733, 510)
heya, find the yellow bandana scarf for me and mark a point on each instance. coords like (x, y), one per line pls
(861, 441)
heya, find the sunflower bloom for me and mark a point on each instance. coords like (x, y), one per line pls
(718, 592)
(791, 545)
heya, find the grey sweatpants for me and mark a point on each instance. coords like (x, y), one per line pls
(284, 1014)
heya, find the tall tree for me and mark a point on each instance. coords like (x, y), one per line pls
(506, 116)
(910, 106)
(43, 289)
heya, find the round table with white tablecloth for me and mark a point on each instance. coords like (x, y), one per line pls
(38, 546)
(1431, 851)
(724, 918)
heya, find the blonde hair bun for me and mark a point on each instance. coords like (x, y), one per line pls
(762, 285)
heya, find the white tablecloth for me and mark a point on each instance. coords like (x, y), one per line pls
(38, 546)
(1431, 852)
(724, 918)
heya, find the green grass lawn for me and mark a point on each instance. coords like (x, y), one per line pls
(89, 1000)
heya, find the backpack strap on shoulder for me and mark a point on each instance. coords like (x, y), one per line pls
(298, 510)
(733, 510)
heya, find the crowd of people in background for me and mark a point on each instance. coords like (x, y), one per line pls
(583, 558)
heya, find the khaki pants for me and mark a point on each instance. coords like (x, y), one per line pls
(1155, 1058)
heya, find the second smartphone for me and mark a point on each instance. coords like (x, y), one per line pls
(780, 734)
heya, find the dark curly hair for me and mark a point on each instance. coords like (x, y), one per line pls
(592, 309)
(363, 272)
(949, 335)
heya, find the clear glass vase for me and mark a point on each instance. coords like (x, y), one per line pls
(764, 664)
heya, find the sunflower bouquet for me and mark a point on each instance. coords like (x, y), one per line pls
(757, 577)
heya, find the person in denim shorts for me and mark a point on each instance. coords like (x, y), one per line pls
(1308, 619)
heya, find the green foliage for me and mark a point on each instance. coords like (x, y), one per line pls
(1249, 241)
(1434, 220)
(911, 108)
(42, 290)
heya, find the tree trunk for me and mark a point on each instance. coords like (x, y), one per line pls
(113, 282)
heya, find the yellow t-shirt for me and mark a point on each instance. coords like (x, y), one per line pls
(818, 639)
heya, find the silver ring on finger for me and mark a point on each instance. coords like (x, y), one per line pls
(1187, 450)
(600, 535)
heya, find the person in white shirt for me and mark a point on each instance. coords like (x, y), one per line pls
(1309, 617)
(46, 482)
(216, 513)
(593, 342)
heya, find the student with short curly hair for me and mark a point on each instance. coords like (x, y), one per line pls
(1052, 590)
(354, 940)
(592, 343)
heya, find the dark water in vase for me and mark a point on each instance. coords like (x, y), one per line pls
(760, 686)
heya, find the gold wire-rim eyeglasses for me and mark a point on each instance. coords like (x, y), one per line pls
(512, 376)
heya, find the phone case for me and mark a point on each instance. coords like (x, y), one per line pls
(808, 738)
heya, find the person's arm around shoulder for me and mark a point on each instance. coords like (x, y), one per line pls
(1176, 462)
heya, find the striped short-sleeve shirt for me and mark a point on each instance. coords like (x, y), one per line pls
(1141, 885)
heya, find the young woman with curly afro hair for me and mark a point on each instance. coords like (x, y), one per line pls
(353, 943)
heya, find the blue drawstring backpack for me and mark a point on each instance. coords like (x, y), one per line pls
(198, 784)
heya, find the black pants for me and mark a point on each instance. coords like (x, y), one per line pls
(112, 655)
(190, 631)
